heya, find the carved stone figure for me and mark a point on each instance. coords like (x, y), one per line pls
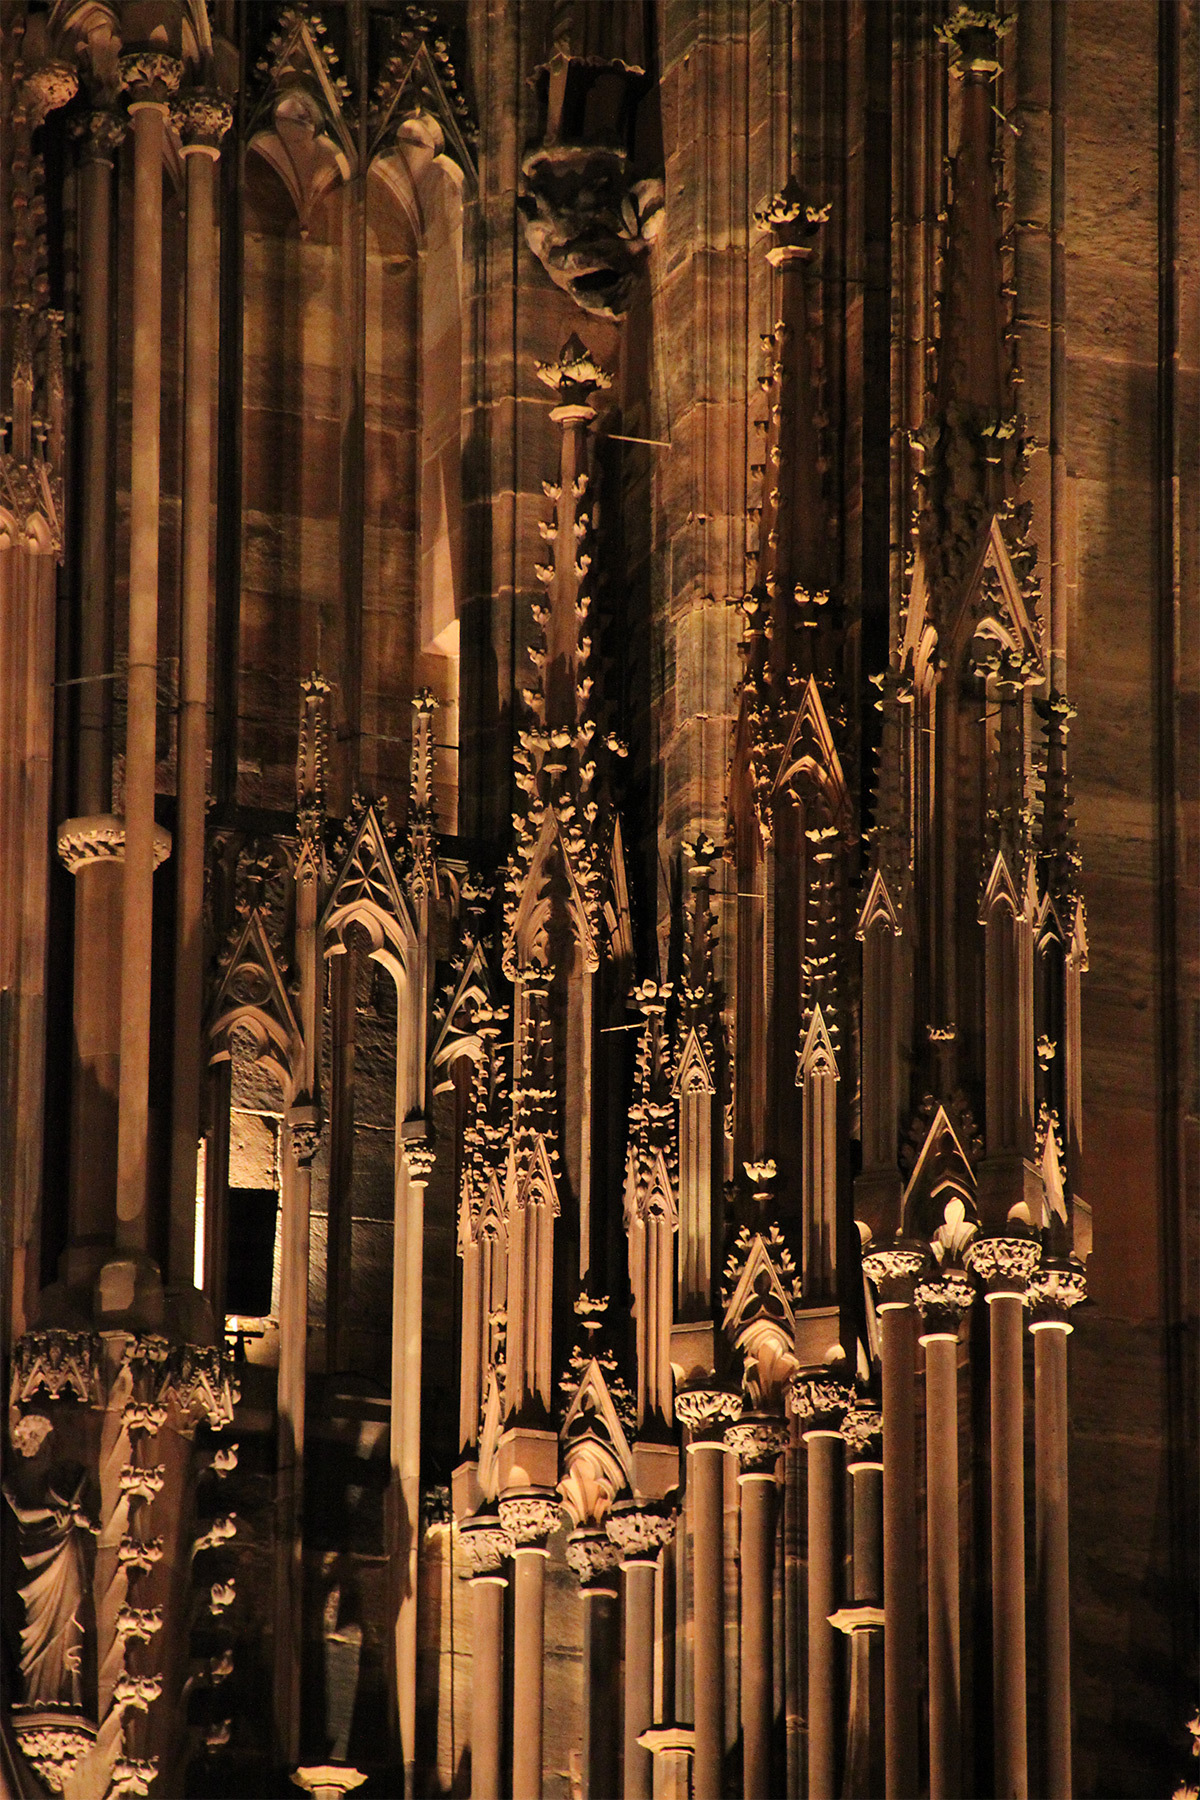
(54, 1552)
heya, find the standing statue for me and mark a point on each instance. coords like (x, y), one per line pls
(53, 1552)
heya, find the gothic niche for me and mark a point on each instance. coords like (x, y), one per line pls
(589, 216)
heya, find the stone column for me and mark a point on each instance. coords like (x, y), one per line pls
(300, 1148)
(528, 1518)
(1004, 1265)
(894, 1271)
(757, 1440)
(705, 1411)
(820, 1405)
(672, 1747)
(943, 1303)
(1054, 1288)
(150, 80)
(485, 1544)
(863, 1619)
(594, 1558)
(408, 1264)
(639, 1535)
(202, 120)
(92, 844)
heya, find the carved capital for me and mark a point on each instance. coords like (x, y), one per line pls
(305, 1125)
(862, 1433)
(201, 119)
(593, 1556)
(574, 376)
(894, 1269)
(53, 1741)
(101, 838)
(485, 1544)
(529, 1517)
(56, 1363)
(99, 133)
(419, 1159)
(1055, 1286)
(47, 88)
(706, 1411)
(149, 77)
(943, 1302)
(1003, 1263)
(639, 1532)
(817, 1401)
(756, 1439)
(327, 1780)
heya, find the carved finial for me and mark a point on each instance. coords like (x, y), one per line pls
(576, 374)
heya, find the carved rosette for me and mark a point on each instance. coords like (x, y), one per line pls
(818, 1402)
(1055, 1286)
(706, 1412)
(894, 1270)
(1004, 1262)
(756, 1439)
(202, 119)
(593, 1556)
(639, 1532)
(529, 1518)
(943, 1302)
(150, 77)
(101, 838)
(862, 1433)
(53, 1740)
(485, 1544)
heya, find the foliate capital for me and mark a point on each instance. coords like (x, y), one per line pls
(1004, 1262)
(894, 1270)
(756, 1439)
(862, 1433)
(529, 1518)
(706, 1411)
(47, 88)
(202, 118)
(485, 1544)
(943, 1301)
(817, 1401)
(149, 77)
(99, 133)
(1055, 1286)
(593, 1556)
(639, 1532)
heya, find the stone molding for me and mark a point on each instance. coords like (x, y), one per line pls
(757, 1439)
(529, 1518)
(1004, 1262)
(101, 838)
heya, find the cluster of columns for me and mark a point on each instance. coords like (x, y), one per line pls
(863, 1703)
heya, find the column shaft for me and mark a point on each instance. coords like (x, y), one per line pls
(487, 1691)
(941, 1486)
(93, 777)
(1053, 1555)
(293, 1347)
(141, 702)
(599, 1698)
(708, 1589)
(757, 1665)
(639, 1678)
(824, 1493)
(899, 1551)
(529, 1575)
(408, 1266)
(199, 369)
(1008, 1546)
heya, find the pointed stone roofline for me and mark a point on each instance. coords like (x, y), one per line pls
(942, 1171)
(762, 1294)
(597, 1456)
(253, 997)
